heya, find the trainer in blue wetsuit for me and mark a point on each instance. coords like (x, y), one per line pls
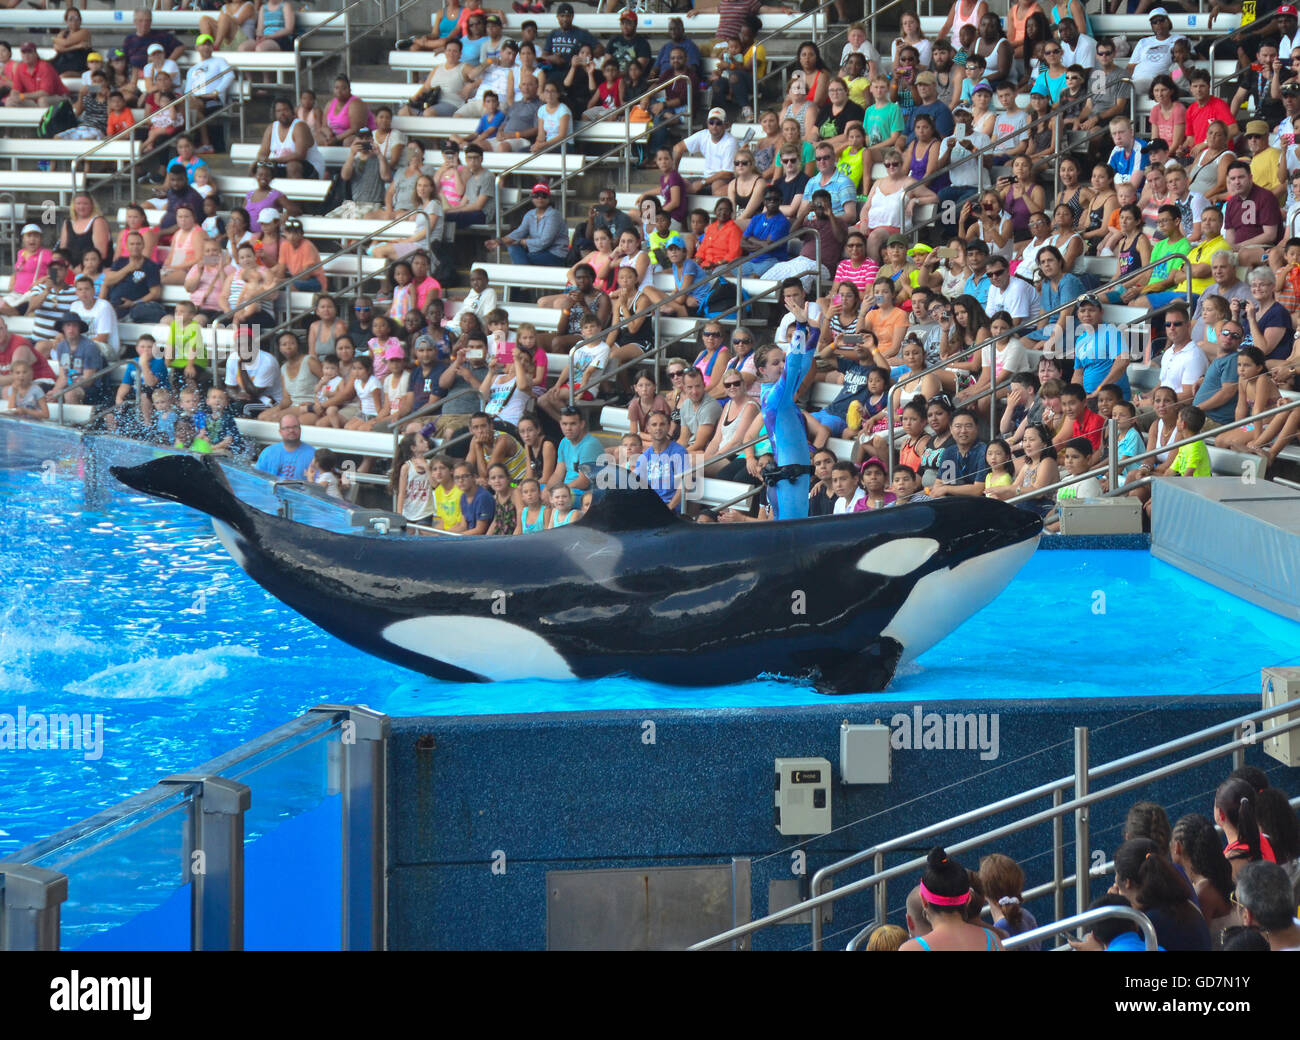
(785, 426)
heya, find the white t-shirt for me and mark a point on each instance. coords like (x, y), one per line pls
(962, 170)
(331, 388)
(168, 66)
(1153, 57)
(719, 156)
(846, 505)
(785, 330)
(1011, 358)
(1018, 299)
(395, 388)
(213, 76)
(1084, 52)
(101, 318)
(868, 52)
(924, 51)
(478, 303)
(584, 357)
(1090, 488)
(1179, 368)
(366, 396)
(262, 370)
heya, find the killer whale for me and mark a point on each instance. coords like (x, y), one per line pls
(631, 588)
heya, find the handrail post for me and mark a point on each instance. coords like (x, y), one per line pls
(1056, 166)
(1112, 455)
(30, 898)
(1081, 852)
(217, 808)
(1058, 858)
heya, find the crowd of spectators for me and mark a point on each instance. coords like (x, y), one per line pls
(846, 160)
(1226, 881)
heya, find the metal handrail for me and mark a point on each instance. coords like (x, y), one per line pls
(1286, 406)
(784, 30)
(1080, 803)
(718, 273)
(1216, 83)
(348, 40)
(563, 142)
(1102, 913)
(94, 378)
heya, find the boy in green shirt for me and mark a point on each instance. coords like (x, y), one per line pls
(1192, 460)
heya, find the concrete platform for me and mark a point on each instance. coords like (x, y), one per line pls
(1244, 538)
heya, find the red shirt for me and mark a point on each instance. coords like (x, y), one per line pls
(1265, 849)
(1199, 117)
(721, 242)
(40, 367)
(425, 290)
(1090, 426)
(42, 79)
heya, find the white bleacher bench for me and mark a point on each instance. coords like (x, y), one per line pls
(103, 23)
(552, 164)
(73, 414)
(608, 131)
(346, 442)
(1134, 26)
(333, 228)
(299, 190)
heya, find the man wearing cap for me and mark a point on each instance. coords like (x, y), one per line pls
(1153, 56)
(297, 253)
(79, 361)
(1099, 353)
(519, 128)
(1285, 132)
(208, 83)
(137, 44)
(629, 45)
(563, 43)
(495, 39)
(963, 172)
(928, 103)
(36, 81)
(1264, 159)
(719, 150)
(1108, 90)
(541, 240)
(677, 38)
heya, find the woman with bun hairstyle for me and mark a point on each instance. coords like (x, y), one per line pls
(945, 891)
(1148, 880)
(1234, 811)
(1004, 884)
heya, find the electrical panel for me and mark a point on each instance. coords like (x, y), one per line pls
(1278, 686)
(864, 754)
(803, 796)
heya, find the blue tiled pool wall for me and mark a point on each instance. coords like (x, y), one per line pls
(584, 791)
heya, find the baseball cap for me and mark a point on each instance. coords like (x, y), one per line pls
(896, 240)
(204, 38)
(1173, 164)
(1089, 299)
(1257, 128)
(927, 77)
(982, 86)
(32, 229)
(494, 18)
(962, 106)
(394, 352)
(1287, 9)
(541, 189)
(675, 242)
(94, 56)
(1157, 12)
(28, 46)
(718, 113)
(269, 214)
(155, 48)
(628, 16)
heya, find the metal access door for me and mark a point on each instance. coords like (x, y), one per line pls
(659, 908)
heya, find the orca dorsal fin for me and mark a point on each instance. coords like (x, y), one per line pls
(628, 509)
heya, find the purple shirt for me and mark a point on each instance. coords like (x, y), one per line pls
(666, 182)
(1248, 217)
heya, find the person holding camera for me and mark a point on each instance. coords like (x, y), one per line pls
(368, 174)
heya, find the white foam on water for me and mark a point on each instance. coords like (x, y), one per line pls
(182, 675)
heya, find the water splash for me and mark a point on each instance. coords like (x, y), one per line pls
(181, 675)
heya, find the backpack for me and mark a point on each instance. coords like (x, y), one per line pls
(58, 117)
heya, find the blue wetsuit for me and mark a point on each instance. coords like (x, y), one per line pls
(785, 427)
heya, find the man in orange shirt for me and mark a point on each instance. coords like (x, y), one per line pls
(297, 254)
(35, 81)
(721, 241)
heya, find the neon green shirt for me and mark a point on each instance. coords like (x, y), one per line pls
(1165, 248)
(1192, 460)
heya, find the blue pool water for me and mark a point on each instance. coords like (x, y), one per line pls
(136, 613)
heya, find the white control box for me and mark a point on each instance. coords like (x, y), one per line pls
(803, 796)
(1279, 685)
(864, 754)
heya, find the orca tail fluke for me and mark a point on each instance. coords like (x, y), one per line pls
(194, 482)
